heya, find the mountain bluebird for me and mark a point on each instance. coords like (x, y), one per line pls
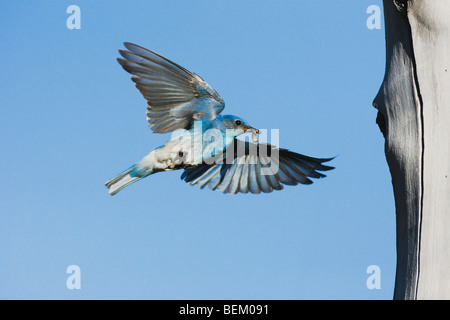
(207, 149)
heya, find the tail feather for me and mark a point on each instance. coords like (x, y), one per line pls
(121, 181)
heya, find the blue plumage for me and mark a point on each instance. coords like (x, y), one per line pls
(207, 149)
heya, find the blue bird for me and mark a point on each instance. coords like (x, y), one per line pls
(207, 149)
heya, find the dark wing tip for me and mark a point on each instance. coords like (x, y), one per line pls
(327, 159)
(318, 162)
(131, 46)
(121, 61)
(326, 168)
(122, 52)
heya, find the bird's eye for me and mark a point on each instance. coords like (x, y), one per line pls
(238, 122)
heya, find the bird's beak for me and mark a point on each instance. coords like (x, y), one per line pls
(251, 129)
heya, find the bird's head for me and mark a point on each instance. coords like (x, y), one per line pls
(236, 126)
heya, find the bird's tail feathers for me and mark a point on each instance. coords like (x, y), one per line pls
(121, 181)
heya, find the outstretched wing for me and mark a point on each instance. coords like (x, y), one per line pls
(249, 167)
(175, 96)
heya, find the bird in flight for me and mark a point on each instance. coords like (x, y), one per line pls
(207, 150)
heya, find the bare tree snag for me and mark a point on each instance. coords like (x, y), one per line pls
(414, 115)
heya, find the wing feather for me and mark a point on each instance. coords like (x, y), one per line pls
(175, 96)
(260, 168)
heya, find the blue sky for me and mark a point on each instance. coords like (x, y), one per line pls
(70, 119)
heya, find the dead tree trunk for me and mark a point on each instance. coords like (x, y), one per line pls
(414, 115)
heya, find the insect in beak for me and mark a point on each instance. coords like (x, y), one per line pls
(254, 134)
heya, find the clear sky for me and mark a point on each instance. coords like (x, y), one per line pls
(70, 119)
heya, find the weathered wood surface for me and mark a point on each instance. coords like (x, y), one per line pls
(414, 116)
